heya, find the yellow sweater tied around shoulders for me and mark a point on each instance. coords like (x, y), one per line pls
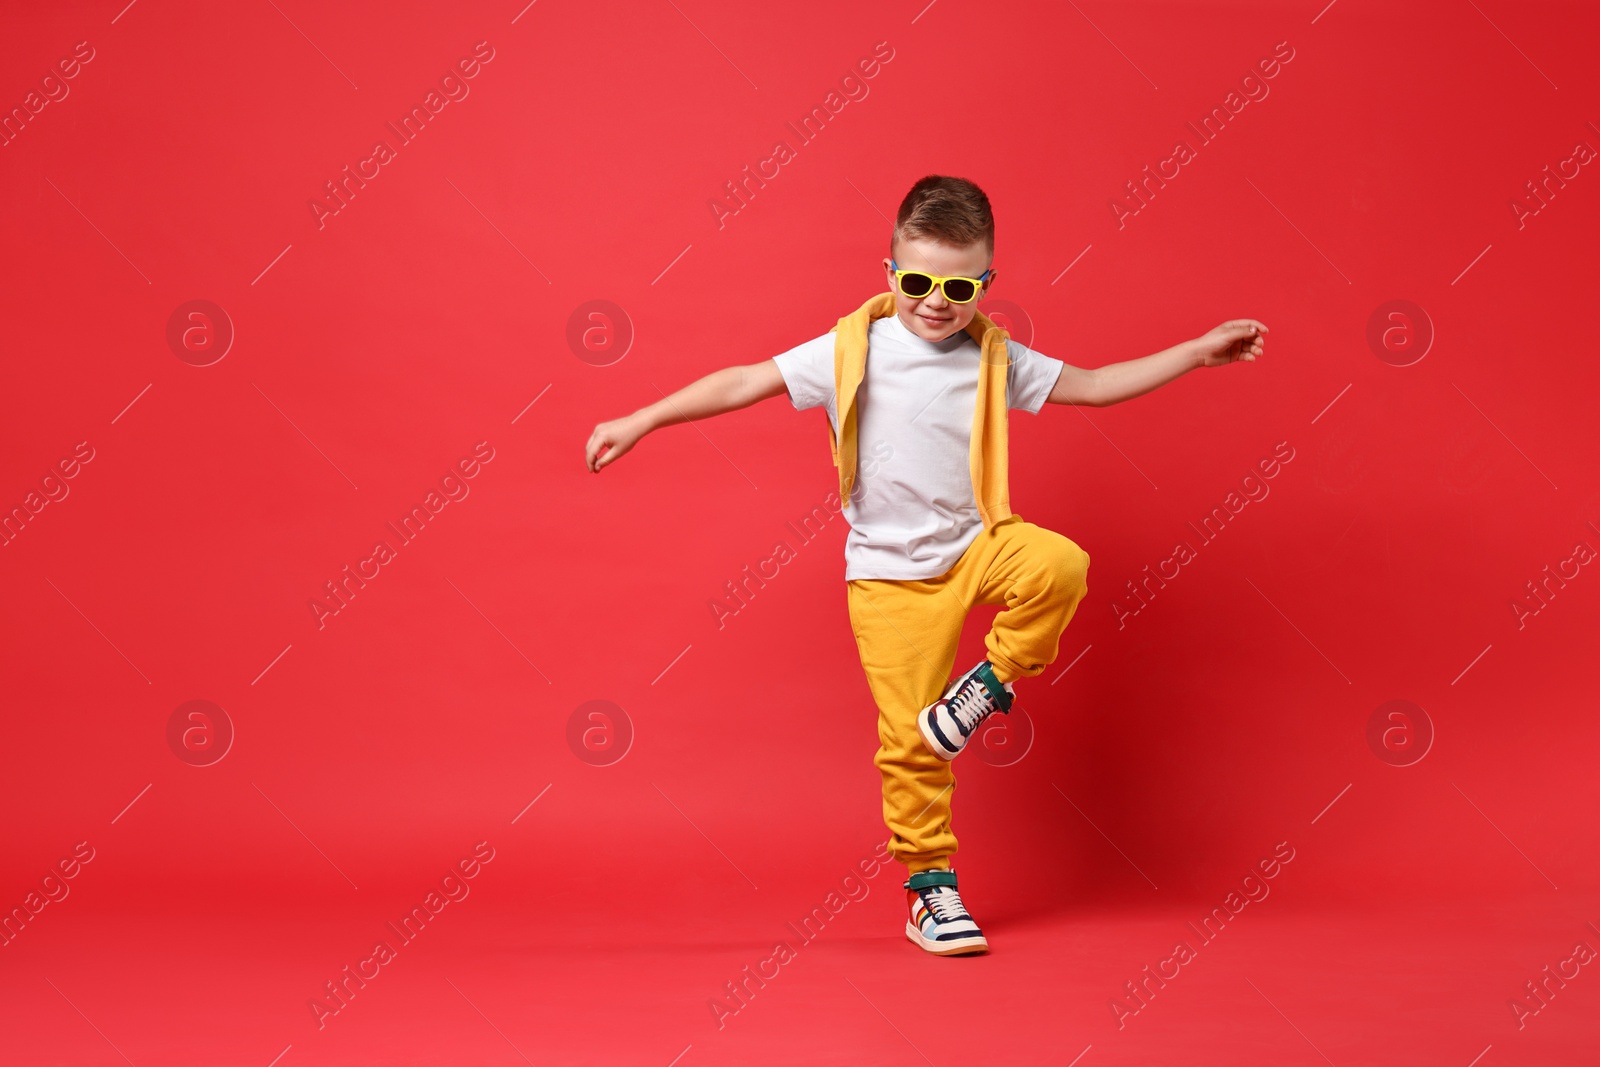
(987, 454)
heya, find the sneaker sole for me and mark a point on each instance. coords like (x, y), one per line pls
(925, 722)
(929, 741)
(966, 946)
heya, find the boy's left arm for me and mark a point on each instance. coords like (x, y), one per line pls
(1233, 341)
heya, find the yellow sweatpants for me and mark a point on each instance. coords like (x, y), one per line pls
(907, 632)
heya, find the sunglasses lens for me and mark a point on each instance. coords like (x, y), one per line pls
(959, 290)
(916, 285)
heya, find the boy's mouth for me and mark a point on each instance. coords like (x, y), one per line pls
(931, 318)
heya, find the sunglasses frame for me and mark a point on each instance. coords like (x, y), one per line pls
(977, 283)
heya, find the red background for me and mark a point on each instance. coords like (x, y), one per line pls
(374, 351)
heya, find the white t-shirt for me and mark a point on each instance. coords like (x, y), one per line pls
(912, 511)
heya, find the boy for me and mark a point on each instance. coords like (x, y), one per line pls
(934, 533)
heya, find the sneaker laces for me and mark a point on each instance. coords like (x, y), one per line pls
(971, 704)
(945, 903)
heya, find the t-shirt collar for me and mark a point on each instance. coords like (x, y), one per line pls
(949, 344)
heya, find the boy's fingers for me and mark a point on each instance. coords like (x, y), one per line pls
(596, 444)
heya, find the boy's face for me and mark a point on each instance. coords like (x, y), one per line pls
(932, 317)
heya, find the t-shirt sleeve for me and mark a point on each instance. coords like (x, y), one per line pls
(1030, 377)
(807, 371)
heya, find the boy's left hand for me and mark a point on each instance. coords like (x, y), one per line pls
(1236, 339)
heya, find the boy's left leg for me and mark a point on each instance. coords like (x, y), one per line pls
(1041, 576)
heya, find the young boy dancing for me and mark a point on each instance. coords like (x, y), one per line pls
(933, 534)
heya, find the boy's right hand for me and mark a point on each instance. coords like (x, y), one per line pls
(618, 436)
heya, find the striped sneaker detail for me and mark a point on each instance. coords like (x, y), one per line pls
(939, 922)
(948, 723)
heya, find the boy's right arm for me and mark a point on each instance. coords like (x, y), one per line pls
(720, 391)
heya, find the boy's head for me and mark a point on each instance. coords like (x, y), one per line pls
(944, 228)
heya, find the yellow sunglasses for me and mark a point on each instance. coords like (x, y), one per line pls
(917, 284)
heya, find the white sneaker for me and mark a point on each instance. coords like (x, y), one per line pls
(948, 723)
(939, 921)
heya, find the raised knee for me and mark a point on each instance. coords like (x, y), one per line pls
(1068, 564)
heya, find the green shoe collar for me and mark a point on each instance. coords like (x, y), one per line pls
(923, 879)
(997, 691)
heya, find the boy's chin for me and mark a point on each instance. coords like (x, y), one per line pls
(932, 331)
